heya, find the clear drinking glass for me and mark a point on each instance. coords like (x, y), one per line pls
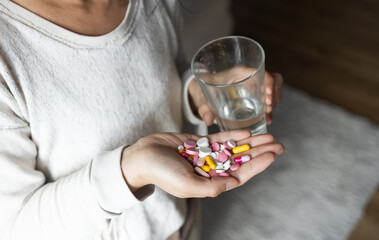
(230, 72)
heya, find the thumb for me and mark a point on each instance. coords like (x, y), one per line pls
(206, 114)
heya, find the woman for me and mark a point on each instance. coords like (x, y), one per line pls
(86, 88)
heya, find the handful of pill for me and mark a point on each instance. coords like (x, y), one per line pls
(211, 160)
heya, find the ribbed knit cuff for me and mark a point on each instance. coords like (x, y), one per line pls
(112, 192)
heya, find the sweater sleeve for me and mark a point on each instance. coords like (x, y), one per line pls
(76, 206)
(192, 122)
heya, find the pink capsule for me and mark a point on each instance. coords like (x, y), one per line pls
(215, 147)
(185, 155)
(227, 152)
(194, 161)
(189, 144)
(242, 159)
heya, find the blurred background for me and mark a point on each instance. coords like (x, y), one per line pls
(327, 49)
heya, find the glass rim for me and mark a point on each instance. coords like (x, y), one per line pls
(223, 38)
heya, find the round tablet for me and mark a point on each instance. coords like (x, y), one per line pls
(203, 142)
(189, 144)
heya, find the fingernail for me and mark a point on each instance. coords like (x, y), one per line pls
(268, 101)
(230, 185)
(207, 117)
(268, 109)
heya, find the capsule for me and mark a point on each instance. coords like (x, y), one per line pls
(242, 159)
(194, 161)
(192, 151)
(227, 152)
(210, 162)
(185, 155)
(206, 168)
(241, 148)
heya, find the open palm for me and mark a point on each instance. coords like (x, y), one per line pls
(155, 160)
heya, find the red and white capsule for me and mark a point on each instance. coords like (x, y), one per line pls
(242, 159)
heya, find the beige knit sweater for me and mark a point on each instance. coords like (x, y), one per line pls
(68, 105)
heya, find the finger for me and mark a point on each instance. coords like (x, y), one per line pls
(269, 83)
(257, 140)
(236, 135)
(276, 148)
(278, 79)
(206, 114)
(268, 109)
(269, 88)
(278, 82)
(254, 167)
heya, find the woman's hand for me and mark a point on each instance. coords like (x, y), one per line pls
(273, 94)
(155, 160)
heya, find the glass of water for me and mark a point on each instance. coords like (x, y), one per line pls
(230, 72)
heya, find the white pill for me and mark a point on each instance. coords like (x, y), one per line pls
(214, 155)
(204, 151)
(180, 147)
(226, 165)
(221, 147)
(219, 167)
(231, 144)
(220, 170)
(203, 142)
(197, 148)
(228, 162)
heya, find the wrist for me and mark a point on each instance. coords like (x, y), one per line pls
(130, 170)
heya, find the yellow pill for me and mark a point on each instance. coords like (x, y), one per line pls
(210, 162)
(206, 168)
(180, 151)
(241, 148)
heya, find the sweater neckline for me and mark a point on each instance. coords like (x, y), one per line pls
(66, 36)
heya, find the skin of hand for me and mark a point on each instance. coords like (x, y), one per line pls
(155, 160)
(273, 94)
